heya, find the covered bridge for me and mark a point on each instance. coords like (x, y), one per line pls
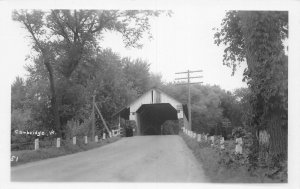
(151, 110)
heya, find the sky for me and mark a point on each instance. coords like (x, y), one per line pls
(180, 42)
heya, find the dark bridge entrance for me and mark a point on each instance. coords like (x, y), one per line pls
(147, 114)
(150, 117)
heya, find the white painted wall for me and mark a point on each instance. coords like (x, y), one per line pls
(144, 99)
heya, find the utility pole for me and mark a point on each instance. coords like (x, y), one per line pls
(188, 72)
(93, 116)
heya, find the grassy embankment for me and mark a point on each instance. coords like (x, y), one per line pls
(25, 156)
(209, 159)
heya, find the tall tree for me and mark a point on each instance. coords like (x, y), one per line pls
(18, 94)
(137, 72)
(257, 37)
(64, 38)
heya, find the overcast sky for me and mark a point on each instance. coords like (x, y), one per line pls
(180, 42)
(184, 41)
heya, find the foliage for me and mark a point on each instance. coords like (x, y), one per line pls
(18, 92)
(239, 132)
(74, 128)
(20, 120)
(137, 72)
(257, 37)
(242, 95)
(66, 39)
(104, 74)
(210, 104)
(170, 127)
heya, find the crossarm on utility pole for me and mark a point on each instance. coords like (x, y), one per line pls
(104, 123)
(188, 72)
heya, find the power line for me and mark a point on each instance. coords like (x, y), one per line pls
(188, 72)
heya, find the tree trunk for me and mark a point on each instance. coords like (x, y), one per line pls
(278, 136)
(264, 144)
(54, 102)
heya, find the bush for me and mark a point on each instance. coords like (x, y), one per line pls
(239, 132)
(170, 127)
(74, 128)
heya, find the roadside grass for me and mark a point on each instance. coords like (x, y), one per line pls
(209, 159)
(26, 156)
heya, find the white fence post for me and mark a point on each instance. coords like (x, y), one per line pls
(222, 143)
(238, 146)
(57, 142)
(74, 140)
(212, 138)
(96, 138)
(85, 140)
(104, 136)
(199, 138)
(36, 144)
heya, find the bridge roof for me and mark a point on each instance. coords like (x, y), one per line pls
(126, 108)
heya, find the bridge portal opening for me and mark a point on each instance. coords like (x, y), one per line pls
(150, 117)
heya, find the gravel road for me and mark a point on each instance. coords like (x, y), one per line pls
(134, 159)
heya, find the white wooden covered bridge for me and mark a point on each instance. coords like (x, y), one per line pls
(151, 110)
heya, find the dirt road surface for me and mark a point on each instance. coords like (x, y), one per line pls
(133, 159)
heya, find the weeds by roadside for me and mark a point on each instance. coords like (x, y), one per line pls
(225, 168)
